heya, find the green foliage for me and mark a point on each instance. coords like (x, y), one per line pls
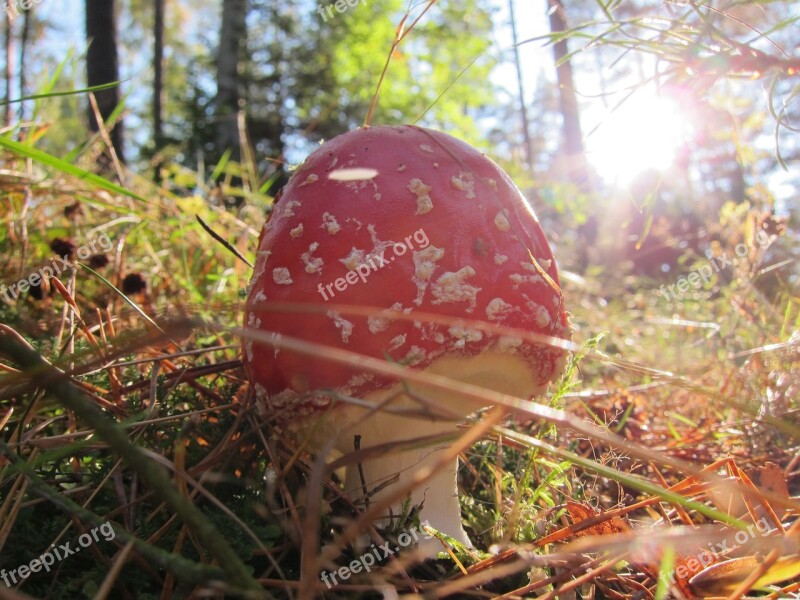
(421, 68)
(312, 78)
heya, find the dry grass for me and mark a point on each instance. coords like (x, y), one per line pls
(668, 436)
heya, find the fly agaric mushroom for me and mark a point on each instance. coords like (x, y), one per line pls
(409, 220)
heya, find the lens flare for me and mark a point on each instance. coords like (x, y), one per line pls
(645, 132)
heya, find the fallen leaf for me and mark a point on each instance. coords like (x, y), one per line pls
(580, 512)
(723, 578)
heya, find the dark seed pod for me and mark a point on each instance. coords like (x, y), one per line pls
(98, 261)
(74, 211)
(63, 248)
(133, 283)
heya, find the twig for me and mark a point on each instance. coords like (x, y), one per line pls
(225, 243)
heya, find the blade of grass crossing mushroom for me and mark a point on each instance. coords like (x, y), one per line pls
(103, 127)
(657, 374)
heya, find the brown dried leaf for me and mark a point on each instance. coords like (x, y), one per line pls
(690, 565)
(772, 479)
(580, 512)
(724, 578)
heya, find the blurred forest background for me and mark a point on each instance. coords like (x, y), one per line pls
(651, 137)
(656, 117)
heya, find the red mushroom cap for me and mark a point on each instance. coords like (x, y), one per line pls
(410, 220)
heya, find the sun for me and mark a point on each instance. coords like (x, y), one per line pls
(645, 132)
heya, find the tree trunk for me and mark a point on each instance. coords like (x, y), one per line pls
(233, 33)
(526, 132)
(158, 86)
(9, 68)
(573, 164)
(568, 101)
(102, 65)
(23, 46)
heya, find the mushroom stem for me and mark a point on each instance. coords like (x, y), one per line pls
(438, 496)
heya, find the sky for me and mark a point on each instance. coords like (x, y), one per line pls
(531, 21)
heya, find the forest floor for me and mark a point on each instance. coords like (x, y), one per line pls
(672, 473)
